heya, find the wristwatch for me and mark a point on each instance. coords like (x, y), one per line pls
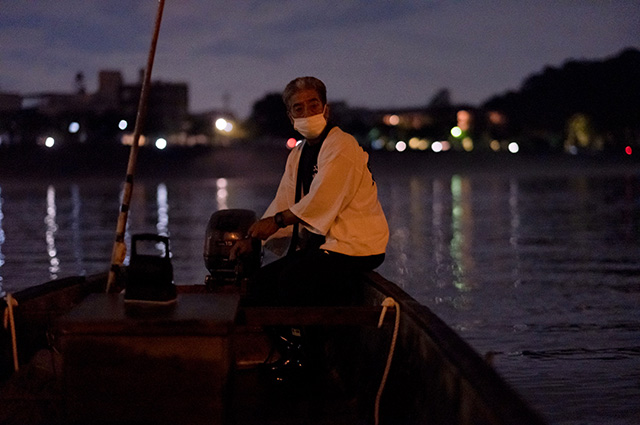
(279, 219)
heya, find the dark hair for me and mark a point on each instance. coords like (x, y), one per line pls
(303, 83)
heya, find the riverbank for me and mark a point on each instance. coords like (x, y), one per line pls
(84, 162)
(230, 162)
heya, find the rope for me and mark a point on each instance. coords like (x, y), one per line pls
(388, 302)
(9, 320)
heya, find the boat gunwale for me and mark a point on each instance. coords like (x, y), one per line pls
(486, 382)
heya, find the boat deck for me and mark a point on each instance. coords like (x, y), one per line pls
(316, 400)
(35, 395)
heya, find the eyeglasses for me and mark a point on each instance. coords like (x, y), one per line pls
(307, 108)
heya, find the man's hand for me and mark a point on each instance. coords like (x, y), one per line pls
(263, 228)
(241, 247)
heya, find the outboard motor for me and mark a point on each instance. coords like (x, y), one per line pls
(149, 276)
(225, 228)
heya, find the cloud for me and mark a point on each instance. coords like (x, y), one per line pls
(370, 53)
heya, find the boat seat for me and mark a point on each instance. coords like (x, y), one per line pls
(308, 316)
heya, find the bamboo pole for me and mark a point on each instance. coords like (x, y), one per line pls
(119, 247)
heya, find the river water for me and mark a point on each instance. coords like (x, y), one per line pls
(536, 263)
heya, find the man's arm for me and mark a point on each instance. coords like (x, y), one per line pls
(267, 226)
(262, 229)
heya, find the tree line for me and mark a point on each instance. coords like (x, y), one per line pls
(591, 105)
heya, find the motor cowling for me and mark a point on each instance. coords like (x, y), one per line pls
(224, 230)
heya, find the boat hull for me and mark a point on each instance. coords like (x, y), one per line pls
(434, 377)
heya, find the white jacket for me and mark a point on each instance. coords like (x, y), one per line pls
(342, 203)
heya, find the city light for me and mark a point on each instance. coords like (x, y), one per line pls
(401, 146)
(436, 147)
(467, 144)
(497, 118)
(628, 150)
(291, 143)
(456, 131)
(224, 125)
(418, 144)
(161, 143)
(513, 147)
(123, 124)
(464, 120)
(391, 120)
(49, 142)
(377, 144)
(74, 127)
(128, 139)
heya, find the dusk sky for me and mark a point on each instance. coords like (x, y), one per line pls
(371, 53)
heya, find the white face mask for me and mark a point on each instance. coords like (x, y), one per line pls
(310, 127)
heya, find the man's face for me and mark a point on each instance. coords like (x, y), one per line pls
(305, 103)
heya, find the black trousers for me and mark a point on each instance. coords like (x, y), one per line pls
(310, 277)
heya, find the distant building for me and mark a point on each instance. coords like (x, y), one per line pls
(52, 104)
(10, 102)
(393, 125)
(10, 106)
(167, 107)
(109, 94)
(97, 116)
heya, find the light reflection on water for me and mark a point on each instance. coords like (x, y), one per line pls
(1, 240)
(50, 234)
(540, 271)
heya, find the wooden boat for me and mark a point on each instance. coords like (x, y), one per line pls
(434, 376)
(88, 356)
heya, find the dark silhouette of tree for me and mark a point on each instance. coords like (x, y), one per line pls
(607, 92)
(269, 118)
(81, 87)
(442, 99)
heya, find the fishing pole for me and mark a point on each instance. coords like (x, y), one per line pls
(119, 247)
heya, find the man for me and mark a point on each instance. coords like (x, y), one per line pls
(327, 207)
(327, 203)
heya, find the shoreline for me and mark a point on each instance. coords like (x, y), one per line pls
(231, 162)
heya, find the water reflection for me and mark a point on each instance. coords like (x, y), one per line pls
(222, 194)
(462, 222)
(76, 230)
(438, 208)
(514, 228)
(1, 244)
(50, 233)
(162, 200)
(418, 213)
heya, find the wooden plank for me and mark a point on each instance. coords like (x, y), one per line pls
(304, 316)
(192, 314)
